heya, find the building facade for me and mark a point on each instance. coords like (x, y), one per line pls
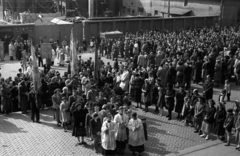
(157, 7)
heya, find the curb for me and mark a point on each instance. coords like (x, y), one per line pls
(196, 148)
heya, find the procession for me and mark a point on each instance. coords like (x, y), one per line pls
(95, 101)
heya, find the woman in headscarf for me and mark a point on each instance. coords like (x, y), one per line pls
(136, 134)
(108, 136)
(6, 99)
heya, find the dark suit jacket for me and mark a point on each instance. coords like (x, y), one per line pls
(95, 126)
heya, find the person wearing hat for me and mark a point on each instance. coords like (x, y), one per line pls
(228, 125)
(79, 115)
(56, 100)
(64, 106)
(92, 94)
(121, 121)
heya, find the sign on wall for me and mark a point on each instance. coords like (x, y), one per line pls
(46, 50)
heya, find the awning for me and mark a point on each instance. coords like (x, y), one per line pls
(175, 11)
(112, 34)
(60, 22)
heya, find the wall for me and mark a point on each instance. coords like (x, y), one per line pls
(57, 32)
(231, 12)
(92, 28)
(199, 7)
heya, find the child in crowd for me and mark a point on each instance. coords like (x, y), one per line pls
(63, 111)
(222, 96)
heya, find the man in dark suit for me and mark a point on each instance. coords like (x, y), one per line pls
(96, 130)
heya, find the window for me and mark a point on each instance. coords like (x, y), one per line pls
(155, 12)
(133, 12)
(140, 10)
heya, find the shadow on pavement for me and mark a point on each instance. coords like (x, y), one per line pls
(8, 127)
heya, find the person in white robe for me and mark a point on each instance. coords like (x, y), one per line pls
(125, 79)
(108, 136)
(121, 121)
(136, 134)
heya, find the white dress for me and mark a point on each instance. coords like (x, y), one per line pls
(108, 139)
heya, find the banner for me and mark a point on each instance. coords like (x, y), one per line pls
(1, 51)
(35, 72)
(46, 50)
(73, 55)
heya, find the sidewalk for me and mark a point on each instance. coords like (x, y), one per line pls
(214, 148)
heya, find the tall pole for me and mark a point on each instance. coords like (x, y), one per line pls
(169, 1)
(221, 16)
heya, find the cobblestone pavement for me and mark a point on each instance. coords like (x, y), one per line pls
(19, 136)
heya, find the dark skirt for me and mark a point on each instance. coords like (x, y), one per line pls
(219, 129)
(137, 95)
(108, 152)
(179, 107)
(79, 131)
(121, 145)
(138, 149)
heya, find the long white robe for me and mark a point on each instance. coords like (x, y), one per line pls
(136, 133)
(108, 139)
(121, 123)
(125, 80)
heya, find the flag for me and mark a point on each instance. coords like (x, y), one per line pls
(40, 17)
(73, 55)
(35, 72)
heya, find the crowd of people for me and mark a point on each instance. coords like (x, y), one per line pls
(158, 70)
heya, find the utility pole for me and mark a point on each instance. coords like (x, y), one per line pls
(169, 1)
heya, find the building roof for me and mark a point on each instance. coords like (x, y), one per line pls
(175, 11)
